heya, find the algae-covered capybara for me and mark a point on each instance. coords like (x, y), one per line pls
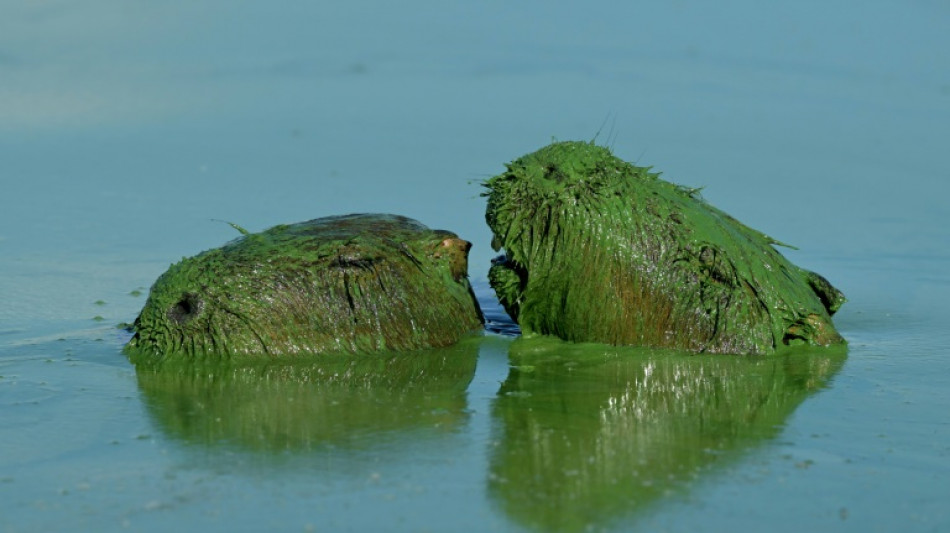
(597, 249)
(355, 283)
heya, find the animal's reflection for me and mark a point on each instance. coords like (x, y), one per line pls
(587, 433)
(297, 405)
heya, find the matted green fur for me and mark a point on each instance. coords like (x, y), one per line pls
(347, 284)
(600, 250)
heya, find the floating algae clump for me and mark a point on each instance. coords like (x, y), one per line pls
(348, 284)
(597, 249)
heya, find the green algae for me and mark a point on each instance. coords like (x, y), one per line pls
(345, 284)
(292, 405)
(587, 434)
(597, 249)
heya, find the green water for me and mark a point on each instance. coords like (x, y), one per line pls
(128, 132)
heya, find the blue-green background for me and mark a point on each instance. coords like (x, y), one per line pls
(126, 127)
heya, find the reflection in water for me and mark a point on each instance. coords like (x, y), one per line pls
(588, 433)
(298, 405)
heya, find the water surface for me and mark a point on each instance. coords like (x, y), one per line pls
(128, 132)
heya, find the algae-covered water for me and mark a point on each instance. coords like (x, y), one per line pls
(129, 132)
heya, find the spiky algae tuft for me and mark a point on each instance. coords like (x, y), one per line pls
(600, 250)
(344, 284)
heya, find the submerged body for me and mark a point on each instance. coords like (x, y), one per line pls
(599, 250)
(343, 284)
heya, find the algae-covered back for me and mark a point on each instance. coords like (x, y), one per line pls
(598, 249)
(350, 284)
